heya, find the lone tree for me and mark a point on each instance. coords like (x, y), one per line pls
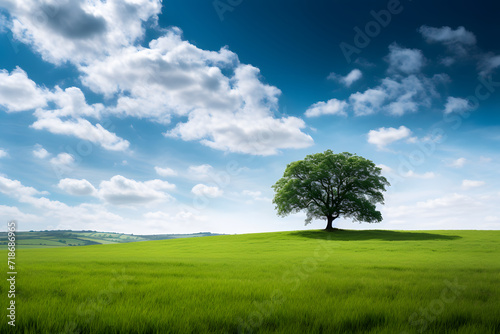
(328, 185)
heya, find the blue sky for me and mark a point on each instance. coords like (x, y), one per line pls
(178, 116)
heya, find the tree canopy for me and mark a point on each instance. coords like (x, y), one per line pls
(328, 186)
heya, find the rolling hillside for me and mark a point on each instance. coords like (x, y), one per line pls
(65, 238)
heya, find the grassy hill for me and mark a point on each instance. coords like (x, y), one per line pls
(66, 238)
(287, 282)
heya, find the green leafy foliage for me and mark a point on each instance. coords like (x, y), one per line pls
(328, 186)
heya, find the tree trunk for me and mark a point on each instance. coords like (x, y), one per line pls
(329, 225)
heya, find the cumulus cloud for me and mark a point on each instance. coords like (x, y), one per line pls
(213, 98)
(72, 106)
(62, 159)
(397, 95)
(3, 153)
(448, 201)
(200, 171)
(403, 60)
(40, 152)
(79, 31)
(83, 129)
(255, 196)
(232, 112)
(14, 188)
(468, 184)
(165, 172)
(405, 90)
(385, 136)
(18, 92)
(412, 174)
(70, 102)
(446, 34)
(385, 169)
(204, 190)
(331, 107)
(8, 213)
(458, 163)
(77, 187)
(488, 64)
(456, 104)
(458, 41)
(347, 80)
(368, 102)
(122, 191)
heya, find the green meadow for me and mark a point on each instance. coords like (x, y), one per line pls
(288, 282)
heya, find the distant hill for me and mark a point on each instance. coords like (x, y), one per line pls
(67, 238)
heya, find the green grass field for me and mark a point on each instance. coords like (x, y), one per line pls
(288, 282)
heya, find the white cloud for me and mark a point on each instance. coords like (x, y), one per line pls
(385, 169)
(122, 191)
(412, 174)
(3, 153)
(204, 190)
(15, 189)
(397, 95)
(456, 104)
(62, 159)
(77, 187)
(22, 93)
(18, 92)
(459, 163)
(71, 102)
(40, 152)
(181, 216)
(404, 60)
(255, 195)
(349, 79)
(448, 211)
(200, 171)
(457, 41)
(447, 201)
(8, 213)
(468, 184)
(79, 31)
(385, 136)
(165, 172)
(83, 129)
(489, 63)
(368, 102)
(447, 35)
(226, 104)
(331, 107)
(407, 94)
(171, 78)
